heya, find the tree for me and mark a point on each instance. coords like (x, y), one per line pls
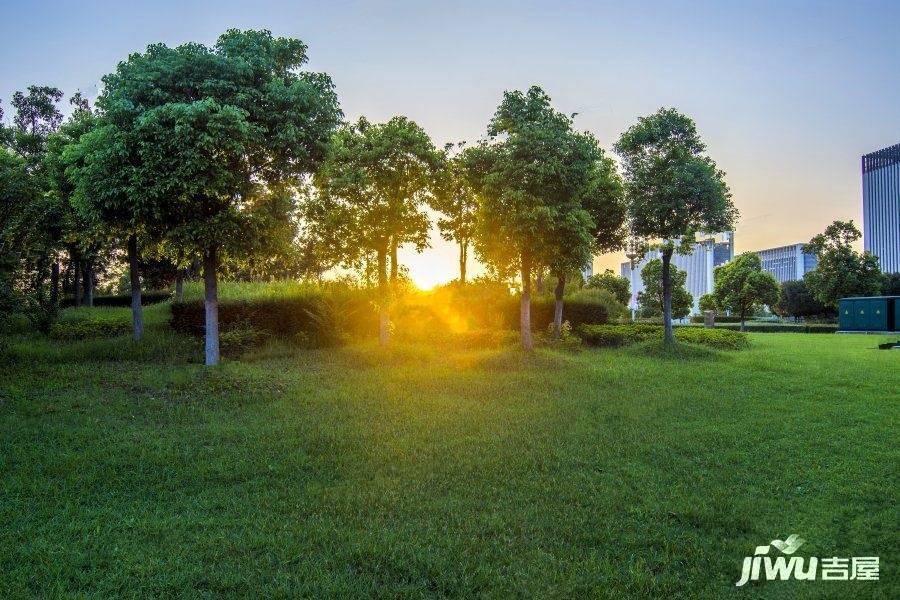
(891, 284)
(741, 285)
(200, 145)
(455, 198)
(674, 190)
(796, 300)
(620, 287)
(708, 303)
(548, 195)
(373, 187)
(840, 270)
(652, 300)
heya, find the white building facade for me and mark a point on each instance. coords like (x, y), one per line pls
(881, 206)
(787, 263)
(705, 256)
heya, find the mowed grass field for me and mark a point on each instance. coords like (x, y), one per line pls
(418, 471)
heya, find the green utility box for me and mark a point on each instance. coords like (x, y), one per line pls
(878, 313)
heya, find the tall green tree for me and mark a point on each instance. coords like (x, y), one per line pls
(796, 300)
(374, 186)
(840, 270)
(456, 199)
(619, 286)
(741, 285)
(548, 195)
(652, 299)
(200, 143)
(674, 190)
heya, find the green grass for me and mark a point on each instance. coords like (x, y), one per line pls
(127, 470)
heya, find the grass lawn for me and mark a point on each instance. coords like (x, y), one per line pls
(419, 471)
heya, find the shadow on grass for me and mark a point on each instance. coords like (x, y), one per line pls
(680, 351)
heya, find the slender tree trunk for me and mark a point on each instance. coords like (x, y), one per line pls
(89, 284)
(463, 259)
(668, 334)
(137, 313)
(525, 306)
(76, 278)
(394, 266)
(539, 282)
(54, 283)
(179, 285)
(211, 305)
(558, 308)
(383, 322)
(742, 319)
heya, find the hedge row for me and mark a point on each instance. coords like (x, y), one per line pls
(780, 327)
(622, 335)
(123, 300)
(322, 319)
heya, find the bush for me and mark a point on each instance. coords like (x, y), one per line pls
(95, 327)
(623, 335)
(123, 300)
(239, 340)
(325, 315)
(757, 327)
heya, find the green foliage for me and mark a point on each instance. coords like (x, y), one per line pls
(626, 334)
(651, 298)
(94, 326)
(891, 284)
(840, 270)
(374, 185)
(123, 300)
(607, 280)
(758, 327)
(796, 300)
(456, 199)
(741, 286)
(614, 308)
(674, 190)
(238, 340)
(708, 302)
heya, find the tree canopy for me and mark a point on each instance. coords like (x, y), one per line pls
(840, 270)
(651, 299)
(674, 190)
(741, 286)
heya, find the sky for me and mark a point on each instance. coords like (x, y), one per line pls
(787, 95)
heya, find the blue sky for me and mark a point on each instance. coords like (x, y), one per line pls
(788, 95)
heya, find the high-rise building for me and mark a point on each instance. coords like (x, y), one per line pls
(881, 206)
(787, 263)
(705, 256)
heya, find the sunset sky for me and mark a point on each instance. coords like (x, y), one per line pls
(788, 95)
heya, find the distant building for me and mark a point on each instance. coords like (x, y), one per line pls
(881, 206)
(705, 256)
(787, 263)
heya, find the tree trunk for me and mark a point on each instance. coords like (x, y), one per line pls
(89, 284)
(525, 306)
(394, 266)
(742, 319)
(383, 322)
(179, 285)
(54, 283)
(463, 259)
(211, 305)
(137, 314)
(76, 278)
(668, 335)
(558, 308)
(539, 282)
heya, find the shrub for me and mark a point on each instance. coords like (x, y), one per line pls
(623, 335)
(238, 340)
(123, 300)
(95, 327)
(757, 327)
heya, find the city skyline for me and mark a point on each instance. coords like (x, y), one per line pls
(787, 96)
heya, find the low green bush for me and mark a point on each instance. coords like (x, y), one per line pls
(626, 334)
(781, 327)
(238, 340)
(94, 327)
(122, 300)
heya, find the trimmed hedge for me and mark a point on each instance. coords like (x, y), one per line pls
(83, 329)
(781, 327)
(123, 300)
(611, 336)
(322, 319)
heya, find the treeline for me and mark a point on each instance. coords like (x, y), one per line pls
(233, 159)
